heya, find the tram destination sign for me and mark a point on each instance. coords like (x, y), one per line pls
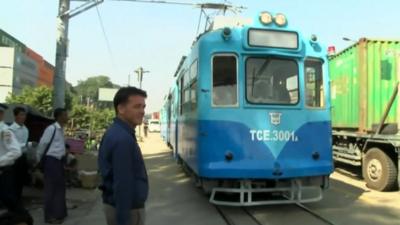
(273, 39)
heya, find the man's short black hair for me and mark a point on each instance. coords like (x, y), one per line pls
(124, 93)
(17, 110)
(58, 112)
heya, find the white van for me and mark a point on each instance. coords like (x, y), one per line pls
(154, 125)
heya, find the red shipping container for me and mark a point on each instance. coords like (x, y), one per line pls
(35, 56)
(46, 74)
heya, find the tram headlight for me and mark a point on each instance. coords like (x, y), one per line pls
(280, 19)
(265, 18)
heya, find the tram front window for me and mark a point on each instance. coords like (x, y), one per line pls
(271, 81)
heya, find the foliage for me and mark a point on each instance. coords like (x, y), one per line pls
(88, 90)
(80, 117)
(86, 117)
(101, 119)
(39, 98)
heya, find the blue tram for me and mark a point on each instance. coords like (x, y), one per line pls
(249, 113)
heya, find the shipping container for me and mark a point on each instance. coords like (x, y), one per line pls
(45, 69)
(16, 71)
(25, 72)
(363, 78)
(6, 40)
(366, 111)
(34, 56)
(46, 74)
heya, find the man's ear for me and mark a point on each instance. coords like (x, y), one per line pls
(121, 109)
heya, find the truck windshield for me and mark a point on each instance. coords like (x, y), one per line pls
(272, 80)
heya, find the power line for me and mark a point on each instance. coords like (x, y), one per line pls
(160, 2)
(216, 6)
(105, 37)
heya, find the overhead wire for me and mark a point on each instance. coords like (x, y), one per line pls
(160, 2)
(110, 53)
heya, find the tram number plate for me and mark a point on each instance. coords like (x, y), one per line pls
(273, 135)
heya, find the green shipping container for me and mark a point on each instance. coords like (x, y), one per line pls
(6, 40)
(363, 78)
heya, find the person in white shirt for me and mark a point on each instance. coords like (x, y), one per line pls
(19, 128)
(10, 150)
(55, 209)
(21, 165)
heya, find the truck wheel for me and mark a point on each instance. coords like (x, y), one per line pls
(379, 171)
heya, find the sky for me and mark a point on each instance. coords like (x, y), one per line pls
(155, 36)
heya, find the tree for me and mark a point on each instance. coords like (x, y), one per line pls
(80, 117)
(86, 118)
(39, 98)
(101, 119)
(88, 90)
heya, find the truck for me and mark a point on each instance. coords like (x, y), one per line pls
(366, 110)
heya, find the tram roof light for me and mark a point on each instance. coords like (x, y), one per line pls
(226, 33)
(280, 19)
(265, 18)
(314, 38)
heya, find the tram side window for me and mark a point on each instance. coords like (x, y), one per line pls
(186, 103)
(182, 96)
(172, 106)
(314, 83)
(193, 96)
(193, 86)
(224, 81)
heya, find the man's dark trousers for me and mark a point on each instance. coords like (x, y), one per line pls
(21, 175)
(16, 211)
(55, 206)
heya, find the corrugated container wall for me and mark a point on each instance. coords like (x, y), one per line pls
(46, 75)
(363, 78)
(25, 72)
(6, 40)
(45, 69)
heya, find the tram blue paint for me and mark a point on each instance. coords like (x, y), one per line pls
(202, 137)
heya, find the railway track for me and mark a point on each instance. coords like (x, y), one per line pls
(237, 216)
(246, 216)
(314, 214)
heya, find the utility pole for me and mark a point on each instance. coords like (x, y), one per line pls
(61, 54)
(64, 14)
(140, 71)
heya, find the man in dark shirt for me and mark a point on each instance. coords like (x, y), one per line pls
(123, 172)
